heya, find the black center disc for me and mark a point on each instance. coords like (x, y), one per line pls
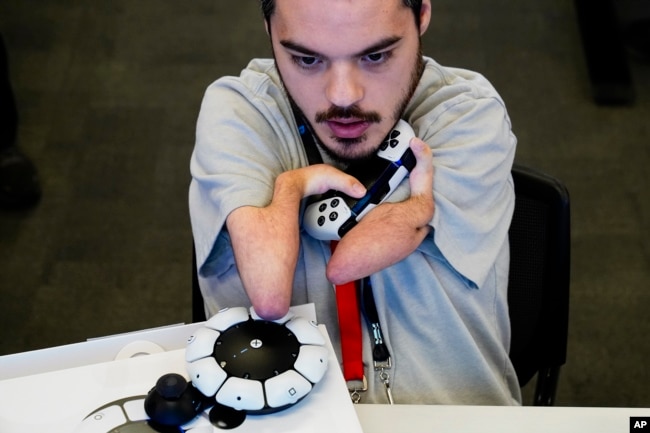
(256, 350)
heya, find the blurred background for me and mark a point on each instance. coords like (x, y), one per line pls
(108, 94)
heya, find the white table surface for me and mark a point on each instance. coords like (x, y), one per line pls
(484, 419)
(24, 394)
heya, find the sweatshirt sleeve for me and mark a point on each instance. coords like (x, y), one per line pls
(473, 147)
(244, 140)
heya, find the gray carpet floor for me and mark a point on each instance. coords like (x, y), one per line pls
(108, 94)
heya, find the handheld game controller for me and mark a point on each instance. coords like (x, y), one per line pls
(331, 215)
(240, 364)
(255, 365)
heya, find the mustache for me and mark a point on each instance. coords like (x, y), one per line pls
(353, 111)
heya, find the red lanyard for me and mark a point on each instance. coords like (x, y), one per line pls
(347, 302)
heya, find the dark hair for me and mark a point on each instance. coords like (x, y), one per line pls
(268, 6)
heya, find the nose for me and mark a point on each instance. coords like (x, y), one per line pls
(344, 87)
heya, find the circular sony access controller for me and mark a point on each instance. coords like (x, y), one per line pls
(255, 365)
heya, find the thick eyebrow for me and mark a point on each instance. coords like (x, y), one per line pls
(379, 46)
(294, 46)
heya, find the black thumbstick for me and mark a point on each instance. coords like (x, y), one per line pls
(173, 401)
(171, 386)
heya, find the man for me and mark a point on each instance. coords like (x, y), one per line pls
(437, 254)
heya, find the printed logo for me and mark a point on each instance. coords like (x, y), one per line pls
(640, 424)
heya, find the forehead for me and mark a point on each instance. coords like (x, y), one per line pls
(329, 23)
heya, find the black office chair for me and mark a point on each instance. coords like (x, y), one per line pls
(198, 307)
(538, 289)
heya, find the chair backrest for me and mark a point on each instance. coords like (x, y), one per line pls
(538, 289)
(198, 307)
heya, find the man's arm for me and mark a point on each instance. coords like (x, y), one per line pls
(266, 240)
(391, 231)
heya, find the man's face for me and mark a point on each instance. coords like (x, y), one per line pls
(350, 66)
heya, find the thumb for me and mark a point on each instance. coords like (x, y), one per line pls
(421, 177)
(323, 177)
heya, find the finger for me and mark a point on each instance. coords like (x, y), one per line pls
(351, 186)
(323, 177)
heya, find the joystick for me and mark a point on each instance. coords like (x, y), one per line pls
(174, 401)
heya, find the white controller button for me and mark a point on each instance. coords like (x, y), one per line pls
(241, 394)
(227, 317)
(305, 331)
(312, 362)
(286, 388)
(135, 410)
(201, 344)
(206, 375)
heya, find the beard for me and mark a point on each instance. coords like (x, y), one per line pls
(354, 111)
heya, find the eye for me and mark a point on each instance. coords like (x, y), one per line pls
(305, 62)
(377, 58)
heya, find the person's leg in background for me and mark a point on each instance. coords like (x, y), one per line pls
(19, 185)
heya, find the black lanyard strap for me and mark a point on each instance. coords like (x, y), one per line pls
(307, 137)
(380, 352)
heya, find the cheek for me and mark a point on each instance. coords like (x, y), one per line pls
(394, 85)
(305, 92)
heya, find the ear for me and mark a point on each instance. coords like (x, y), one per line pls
(425, 16)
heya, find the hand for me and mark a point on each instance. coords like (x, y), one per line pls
(421, 182)
(319, 178)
